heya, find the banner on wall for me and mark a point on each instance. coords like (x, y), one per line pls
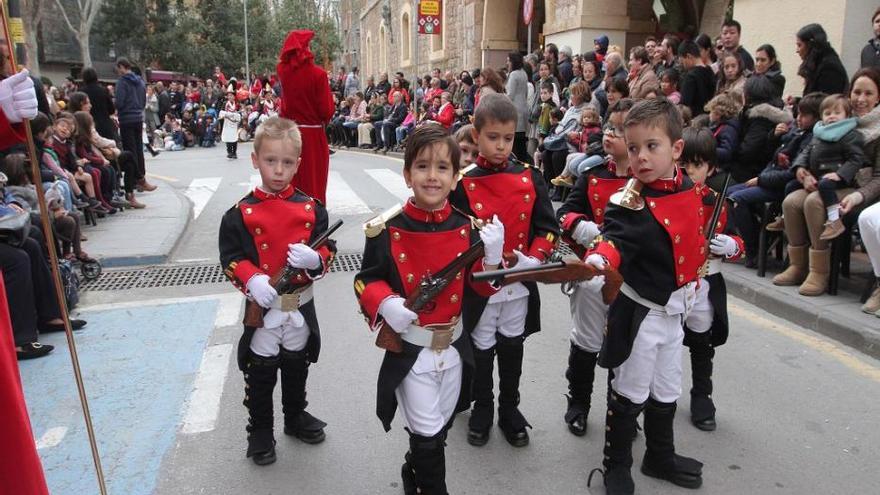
(430, 16)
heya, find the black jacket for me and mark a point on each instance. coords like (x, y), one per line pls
(755, 146)
(697, 88)
(774, 74)
(844, 156)
(398, 113)
(871, 54)
(102, 109)
(829, 76)
(164, 104)
(565, 72)
(779, 171)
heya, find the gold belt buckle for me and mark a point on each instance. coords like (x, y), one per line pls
(290, 302)
(441, 338)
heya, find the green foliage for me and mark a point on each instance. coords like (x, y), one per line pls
(194, 36)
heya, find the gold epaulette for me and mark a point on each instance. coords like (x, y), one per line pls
(376, 225)
(630, 196)
(524, 164)
(464, 171)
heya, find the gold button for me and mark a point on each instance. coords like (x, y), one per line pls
(701, 230)
(478, 206)
(308, 225)
(248, 211)
(598, 211)
(718, 225)
(265, 266)
(701, 211)
(527, 198)
(521, 235)
(596, 197)
(308, 207)
(680, 260)
(703, 250)
(462, 233)
(299, 276)
(594, 181)
(525, 180)
(396, 236)
(681, 278)
(471, 186)
(453, 298)
(522, 216)
(264, 246)
(610, 412)
(458, 276)
(519, 246)
(401, 257)
(677, 239)
(666, 221)
(303, 240)
(258, 231)
(652, 204)
(410, 278)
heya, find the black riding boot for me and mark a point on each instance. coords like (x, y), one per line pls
(260, 377)
(483, 412)
(580, 373)
(424, 471)
(702, 406)
(620, 428)
(660, 460)
(298, 422)
(513, 424)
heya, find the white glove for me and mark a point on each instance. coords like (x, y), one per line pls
(18, 98)
(492, 235)
(594, 284)
(525, 261)
(302, 256)
(396, 314)
(263, 293)
(585, 232)
(723, 245)
(596, 260)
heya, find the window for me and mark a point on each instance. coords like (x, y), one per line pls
(405, 35)
(383, 47)
(438, 41)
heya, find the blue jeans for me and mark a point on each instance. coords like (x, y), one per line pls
(401, 133)
(66, 194)
(748, 202)
(578, 165)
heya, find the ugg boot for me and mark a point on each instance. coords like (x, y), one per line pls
(817, 280)
(872, 305)
(297, 421)
(580, 373)
(132, 202)
(797, 267)
(483, 412)
(511, 421)
(260, 377)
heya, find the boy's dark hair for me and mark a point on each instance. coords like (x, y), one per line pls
(837, 100)
(39, 124)
(732, 23)
(547, 85)
(656, 112)
(618, 85)
(15, 170)
(556, 114)
(123, 62)
(76, 101)
(699, 145)
(89, 75)
(429, 135)
(670, 74)
(494, 107)
(464, 134)
(622, 105)
(811, 103)
(640, 54)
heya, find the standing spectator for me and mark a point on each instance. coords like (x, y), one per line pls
(518, 92)
(730, 33)
(352, 83)
(384, 86)
(698, 82)
(219, 76)
(820, 67)
(396, 88)
(102, 103)
(370, 88)
(176, 95)
(565, 70)
(131, 99)
(871, 51)
(164, 100)
(451, 83)
(151, 111)
(707, 52)
(600, 47)
(768, 66)
(435, 74)
(664, 54)
(490, 83)
(551, 54)
(731, 77)
(642, 79)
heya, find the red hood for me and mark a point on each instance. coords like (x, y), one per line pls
(295, 51)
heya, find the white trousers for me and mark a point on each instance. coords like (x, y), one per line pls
(654, 365)
(589, 315)
(700, 318)
(505, 317)
(869, 226)
(429, 392)
(292, 333)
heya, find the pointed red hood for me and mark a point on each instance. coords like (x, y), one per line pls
(295, 50)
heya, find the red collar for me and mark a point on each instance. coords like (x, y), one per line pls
(612, 167)
(436, 216)
(672, 184)
(482, 162)
(283, 194)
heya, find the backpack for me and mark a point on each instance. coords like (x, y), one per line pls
(71, 282)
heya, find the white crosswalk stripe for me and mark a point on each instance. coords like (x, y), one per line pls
(200, 192)
(341, 198)
(391, 181)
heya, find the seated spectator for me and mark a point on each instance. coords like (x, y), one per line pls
(392, 120)
(768, 66)
(731, 77)
(375, 112)
(669, 85)
(354, 119)
(60, 150)
(761, 113)
(587, 140)
(51, 173)
(469, 149)
(446, 113)
(641, 76)
(723, 111)
(207, 131)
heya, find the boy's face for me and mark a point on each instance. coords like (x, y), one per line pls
(805, 121)
(469, 152)
(697, 171)
(833, 114)
(495, 140)
(652, 155)
(613, 141)
(431, 176)
(545, 95)
(277, 161)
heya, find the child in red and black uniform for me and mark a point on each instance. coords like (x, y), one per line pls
(501, 186)
(706, 326)
(581, 218)
(267, 230)
(653, 234)
(427, 380)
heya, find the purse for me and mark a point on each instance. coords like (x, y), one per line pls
(14, 227)
(559, 141)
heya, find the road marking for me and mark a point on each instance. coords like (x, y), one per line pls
(341, 198)
(391, 181)
(163, 177)
(844, 357)
(223, 298)
(229, 310)
(52, 437)
(200, 192)
(375, 155)
(192, 260)
(204, 402)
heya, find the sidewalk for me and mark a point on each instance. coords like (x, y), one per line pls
(140, 237)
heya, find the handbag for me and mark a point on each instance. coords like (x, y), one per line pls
(14, 227)
(558, 141)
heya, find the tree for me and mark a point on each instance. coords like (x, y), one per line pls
(85, 13)
(31, 15)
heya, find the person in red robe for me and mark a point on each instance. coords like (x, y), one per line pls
(306, 99)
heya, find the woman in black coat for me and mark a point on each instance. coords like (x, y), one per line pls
(102, 103)
(821, 68)
(761, 114)
(767, 65)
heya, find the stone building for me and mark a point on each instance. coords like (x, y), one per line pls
(378, 35)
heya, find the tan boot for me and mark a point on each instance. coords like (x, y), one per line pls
(797, 267)
(134, 203)
(817, 280)
(872, 305)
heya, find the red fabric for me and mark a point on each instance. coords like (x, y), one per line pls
(439, 215)
(274, 223)
(510, 196)
(20, 467)
(446, 115)
(599, 192)
(221, 78)
(607, 250)
(306, 99)
(10, 134)
(393, 91)
(371, 297)
(678, 214)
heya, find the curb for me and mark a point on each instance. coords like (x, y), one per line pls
(390, 154)
(854, 330)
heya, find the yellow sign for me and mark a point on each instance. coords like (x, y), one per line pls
(429, 7)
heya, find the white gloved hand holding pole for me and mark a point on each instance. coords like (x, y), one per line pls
(585, 232)
(18, 99)
(302, 256)
(723, 245)
(596, 260)
(259, 289)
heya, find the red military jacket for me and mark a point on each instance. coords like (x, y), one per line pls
(589, 199)
(254, 234)
(517, 194)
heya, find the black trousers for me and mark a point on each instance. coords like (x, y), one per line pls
(232, 149)
(554, 164)
(30, 291)
(127, 165)
(520, 147)
(132, 141)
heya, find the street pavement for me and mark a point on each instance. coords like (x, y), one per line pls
(797, 411)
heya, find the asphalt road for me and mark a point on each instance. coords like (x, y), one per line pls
(797, 412)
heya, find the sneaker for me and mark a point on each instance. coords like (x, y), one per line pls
(832, 230)
(94, 203)
(777, 225)
(562, 181)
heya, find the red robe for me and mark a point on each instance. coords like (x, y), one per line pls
(306, 99)
(20, 467)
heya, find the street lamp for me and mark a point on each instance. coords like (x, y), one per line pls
(247, 64)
